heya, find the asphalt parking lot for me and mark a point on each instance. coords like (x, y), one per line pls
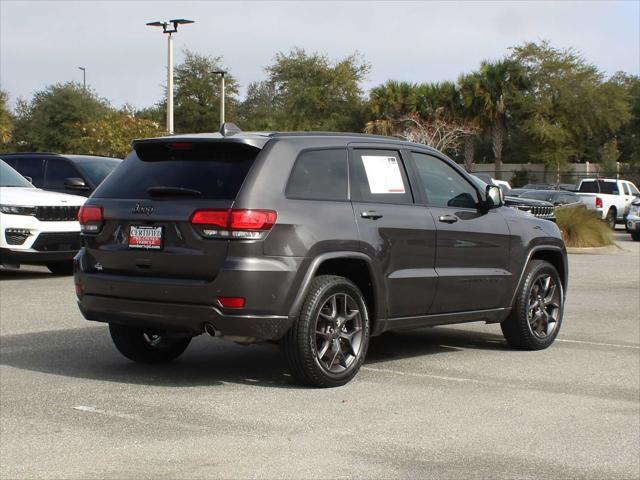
(450, 402)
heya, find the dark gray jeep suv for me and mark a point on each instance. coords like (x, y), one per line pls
(315, 240)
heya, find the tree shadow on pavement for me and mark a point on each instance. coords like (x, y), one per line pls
(88, 353)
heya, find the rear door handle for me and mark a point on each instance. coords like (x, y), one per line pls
(448, 218)
(371, 215)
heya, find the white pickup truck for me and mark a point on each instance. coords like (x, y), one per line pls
(611, 198)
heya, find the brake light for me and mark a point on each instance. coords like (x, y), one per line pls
(234, 223)
(231, 302)
(90, 218)
(598, 202)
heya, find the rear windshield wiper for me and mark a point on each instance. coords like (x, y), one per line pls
(173, 191)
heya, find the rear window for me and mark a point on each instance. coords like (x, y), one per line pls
(599, 186)
(212, 170)
(319, 175)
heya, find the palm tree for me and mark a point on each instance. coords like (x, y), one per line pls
(393, 100)
(470, 108)
(496, 84)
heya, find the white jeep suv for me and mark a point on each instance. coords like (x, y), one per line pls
(37, 227)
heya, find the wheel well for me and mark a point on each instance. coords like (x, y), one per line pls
(358, 272)
(554, 258)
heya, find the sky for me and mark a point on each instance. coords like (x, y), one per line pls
(44, 42)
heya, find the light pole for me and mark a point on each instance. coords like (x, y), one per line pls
(221, 73)
(84, 77)
(170, 27)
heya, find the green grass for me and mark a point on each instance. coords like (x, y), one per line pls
(583, 228)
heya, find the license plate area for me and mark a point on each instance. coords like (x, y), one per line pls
(145, 237)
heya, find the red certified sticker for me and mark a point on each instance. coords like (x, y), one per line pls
(145, 237)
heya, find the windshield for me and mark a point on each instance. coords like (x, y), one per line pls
(10, 178)
(97, 169)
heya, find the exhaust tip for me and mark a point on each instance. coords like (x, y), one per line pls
(210, 329)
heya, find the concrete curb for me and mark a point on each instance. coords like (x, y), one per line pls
(609, 249)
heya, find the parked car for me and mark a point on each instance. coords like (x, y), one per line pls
(73, 174)
(265, 237)
(558, 198)
(489, 180)
(538, 186)
(538, 208)
(609, 197)
(633, 220)
(37, 227)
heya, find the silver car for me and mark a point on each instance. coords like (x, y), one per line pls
(633, 220)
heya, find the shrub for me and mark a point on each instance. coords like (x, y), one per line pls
(583, 228)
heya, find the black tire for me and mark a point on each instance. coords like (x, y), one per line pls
(611, 218)
(524, 330)
(146, 346)
(300, 345)
(61, 268)
(635, 236)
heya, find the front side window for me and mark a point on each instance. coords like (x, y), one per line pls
(319, 175)
(443, 185)
(633, 189)
(58, 170)
(98, 169)
(379, 176)
(32, 168)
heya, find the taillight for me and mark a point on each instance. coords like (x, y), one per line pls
(598, 202)
(234, 223)
(90, 218)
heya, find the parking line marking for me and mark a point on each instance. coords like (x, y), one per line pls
(600, 344)
(427, 375)
(108, 413)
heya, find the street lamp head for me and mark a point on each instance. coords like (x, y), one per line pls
(181, 21)
(82, 68)
(220, 72)
(167, 26)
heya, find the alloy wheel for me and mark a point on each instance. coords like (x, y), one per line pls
(338, 333)
(543, 311)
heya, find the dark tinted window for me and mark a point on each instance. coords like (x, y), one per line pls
(57, 171)
(11, 178)
(216, 170)
(599, 186)
(379, 176)
(319, 174)
(97, 169)
(30, 167)
(444, 186)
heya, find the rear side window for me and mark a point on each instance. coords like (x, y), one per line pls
(57, 171)
(31, 167)
(319, 175)
(213, 170)
(379, 176)
(599, 186)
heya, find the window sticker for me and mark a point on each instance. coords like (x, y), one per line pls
(383, 174)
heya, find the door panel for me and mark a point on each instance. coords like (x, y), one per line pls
(472, 245)
(397, 234)
(472, 261)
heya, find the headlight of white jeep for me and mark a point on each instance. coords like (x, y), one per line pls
(17, 210)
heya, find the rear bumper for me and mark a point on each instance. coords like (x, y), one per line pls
(33, 257)
(184, 318)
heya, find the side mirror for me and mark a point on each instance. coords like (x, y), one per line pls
(494, 197)
(75, 183)
(29, 179)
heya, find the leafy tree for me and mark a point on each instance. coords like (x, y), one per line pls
(197, 94)
(629, 134)
(112, 134)
(258, 111)
(48, 122)
(314, 93)
(568, 111)
(6, 119)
